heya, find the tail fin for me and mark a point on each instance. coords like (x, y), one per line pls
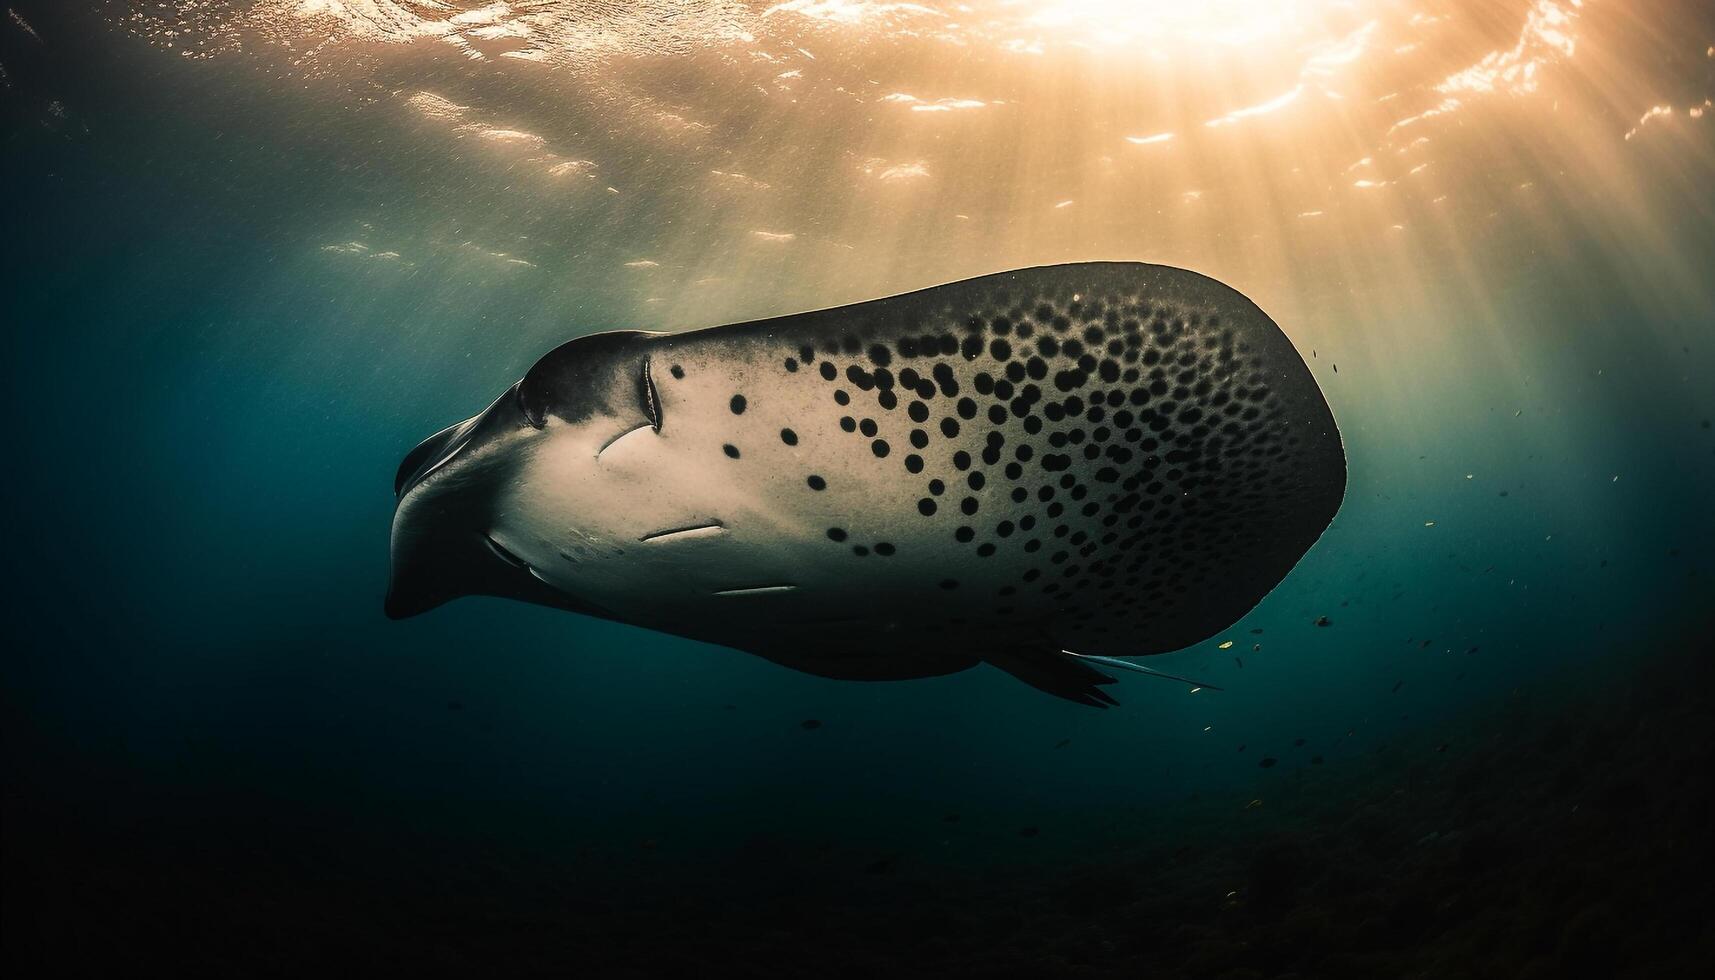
(1138, 668)
(1054, 672)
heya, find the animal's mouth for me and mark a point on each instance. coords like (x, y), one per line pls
(647, 427)
(506, 556)
(707, 529)
(757, 590)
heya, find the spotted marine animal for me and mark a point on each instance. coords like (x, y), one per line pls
(1044, 470)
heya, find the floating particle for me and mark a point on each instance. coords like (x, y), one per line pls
(1030, 831)
(1227, 645)
(810, 724)
(1324, 621)
(1062, 743)
(1267, 762)
(1396, 687)
(1252, 805)
(1428, 523)
(1297, 743)
(1315, 760)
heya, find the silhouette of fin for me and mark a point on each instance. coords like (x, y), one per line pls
(1055, 673)
(1138, 668)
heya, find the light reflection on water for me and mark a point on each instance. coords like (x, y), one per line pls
(830, 149)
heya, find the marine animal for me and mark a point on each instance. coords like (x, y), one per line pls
(1043, 470)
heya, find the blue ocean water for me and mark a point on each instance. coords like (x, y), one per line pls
(210, 389)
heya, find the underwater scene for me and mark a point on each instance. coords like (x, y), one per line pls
(852, 488)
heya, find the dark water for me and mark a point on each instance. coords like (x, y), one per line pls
(220, 756)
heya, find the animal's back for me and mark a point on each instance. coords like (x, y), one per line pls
(1110, 458)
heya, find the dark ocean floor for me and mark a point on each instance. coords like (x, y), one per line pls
(1562, 829)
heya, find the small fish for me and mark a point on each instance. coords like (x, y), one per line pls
(810, 724)
(1268, 762)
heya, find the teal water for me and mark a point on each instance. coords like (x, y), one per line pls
(209, 393)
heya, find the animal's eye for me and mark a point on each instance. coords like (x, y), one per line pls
(650, 398)
(537, 419)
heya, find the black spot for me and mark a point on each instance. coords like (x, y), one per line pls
(836, 534)
(738, 404)
(884, 549)
(827, 370)
(964, 534)
(950, 427)
(1000, 350)
(848, 423)
(984, 550)
(926, 507)
(791, 364)
(880, 448)
(676, 371)
(937, 488)
(944, 378)
(817, 483)
(914, 463)
(789, 437)
(919, 438)
(918, 412)
(880, 355)
(859, 550)
(967, 408)
(949, 584)
(968, 505)
(841, 398)
(867, 427)
(730, 450)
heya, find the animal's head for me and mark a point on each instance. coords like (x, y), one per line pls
(451, 529)
(582, 487)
